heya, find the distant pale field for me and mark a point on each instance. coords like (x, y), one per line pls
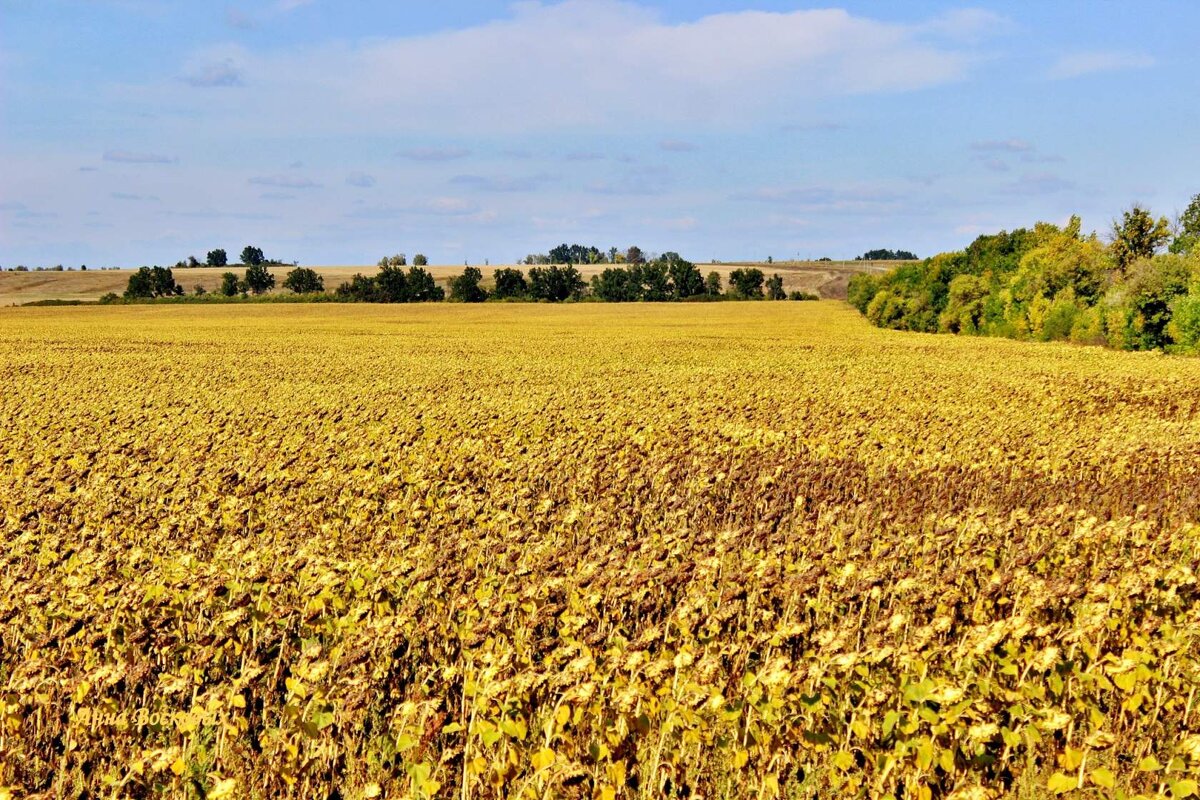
(728, 550)
(824, 278)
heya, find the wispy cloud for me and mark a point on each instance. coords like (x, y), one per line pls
(676, 146)
(826, 198)
(1002, 146)
(501, 183)
(1076, 65)
(238, 19)
(223, 73)
(131, 196)
(285, 182)
(360, 179)
(723, 69)
(1037, 183)
(809, 127)
(434, 153)
(131, 157)
(434, 206)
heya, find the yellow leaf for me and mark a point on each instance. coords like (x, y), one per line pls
(372, 790)
(562, 715)
(542, 758)
(1060, 783)
(740, 758)
(844, 761)
(1149, 764)
(223, 788)
(608, 793)
(1103, 777)
(178, 766)
(1185, 788)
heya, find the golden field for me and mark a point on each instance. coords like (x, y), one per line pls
(827, 279)
(595, 551)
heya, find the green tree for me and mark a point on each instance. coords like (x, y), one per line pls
(510, 283)
(747, 283)
(390, 286)
(360, 289)
(655, 281)
(555, 283)
(465, 288)
(616, 285)
(259, 279)
(634, 255)
(229, 284)
(217, 258)
(1187, 238)
(712, 284)
(422, 288)
(419, 260)
(1137, 235)
(686, 280)
(775, 288)
(150, 282)
(252, 256)
(304, 281)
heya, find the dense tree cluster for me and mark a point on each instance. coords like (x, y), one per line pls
(1054, 283)
(392, 284)
(884, 255)
(150, 282)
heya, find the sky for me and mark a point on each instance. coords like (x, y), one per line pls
(143, 131)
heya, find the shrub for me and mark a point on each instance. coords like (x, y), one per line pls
(361, 289)
(420, 260)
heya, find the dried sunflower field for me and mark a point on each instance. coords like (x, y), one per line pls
(596, 551)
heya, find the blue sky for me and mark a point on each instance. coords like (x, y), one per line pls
(142, 131)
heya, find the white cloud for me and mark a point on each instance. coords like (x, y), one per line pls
(1003, 146)
(222, 73)
(284, 182)
(1075, 65)
(128, 157)
(624, 62)
(434, 153)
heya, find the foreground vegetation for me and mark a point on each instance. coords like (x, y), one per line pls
(728, 550)
(1055, 284)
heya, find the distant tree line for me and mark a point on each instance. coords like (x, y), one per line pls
(665, 278)
(1055, 283)
(886, 255)
(251, 257)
